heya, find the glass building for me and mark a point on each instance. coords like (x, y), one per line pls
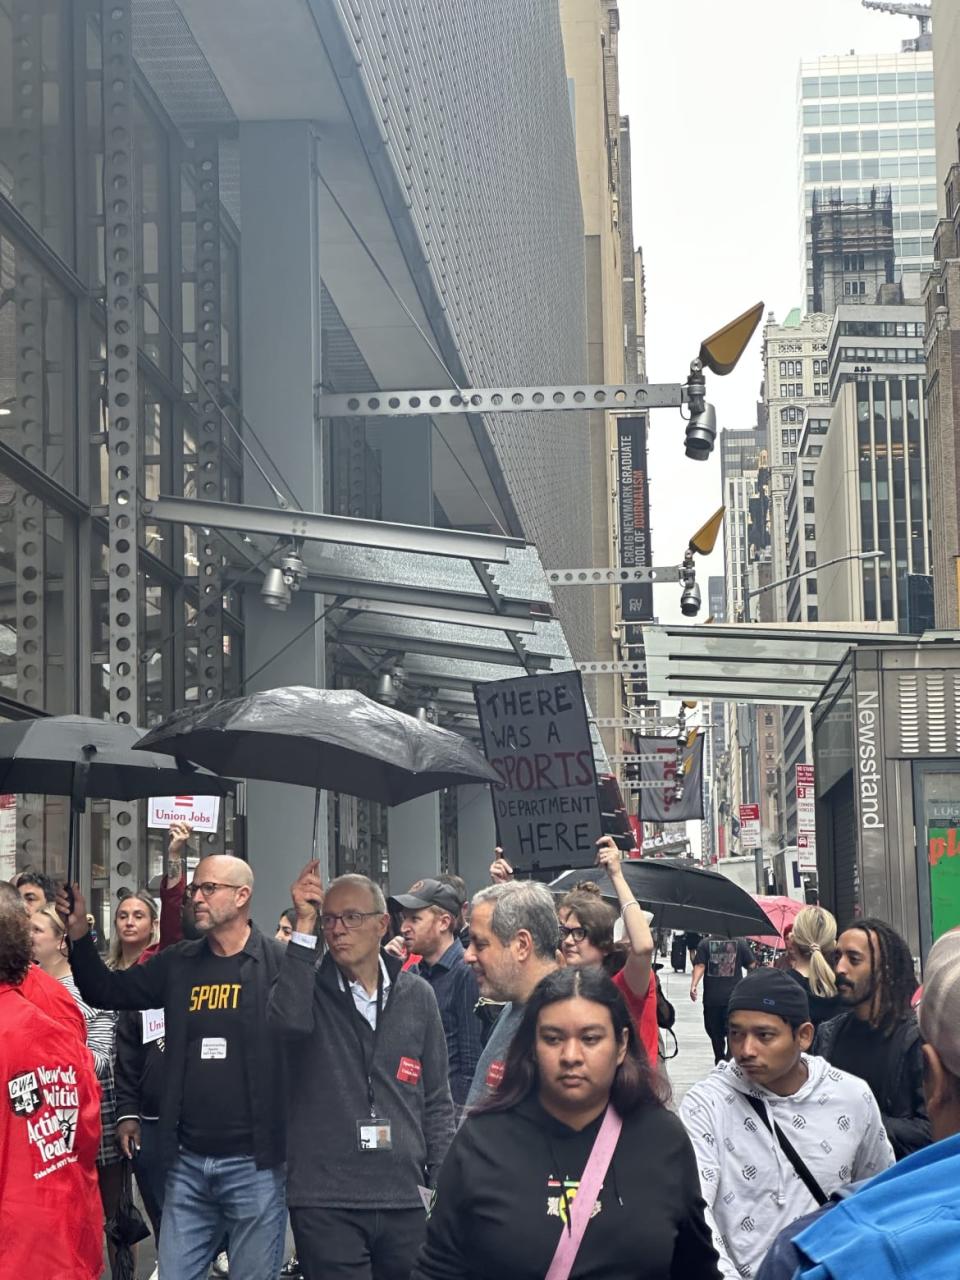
(207, 226)
(865, 122)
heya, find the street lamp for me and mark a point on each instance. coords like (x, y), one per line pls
(803, 573)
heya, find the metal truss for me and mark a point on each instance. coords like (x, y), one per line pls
(123, 400)
(646, 758)
(622, 398)
(612, 668)
(310, 526)
(612, 577)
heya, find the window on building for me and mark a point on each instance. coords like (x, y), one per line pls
(810, 558)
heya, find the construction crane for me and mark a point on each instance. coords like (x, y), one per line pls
(922, 13)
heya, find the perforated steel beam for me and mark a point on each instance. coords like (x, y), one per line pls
(123, 441)
(612, 668)
(313, 526)
(612, 577)
(621, 397)
(209, 619)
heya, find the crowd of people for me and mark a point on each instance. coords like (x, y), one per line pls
(428, 1089)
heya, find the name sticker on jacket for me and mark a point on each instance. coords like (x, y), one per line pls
(494, 1075)
(409, 1070)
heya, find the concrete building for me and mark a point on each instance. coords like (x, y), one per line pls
(851, 247)
(942, 302)
(224, 213)
(872, 487)
(795, 383)
(614, 289)
(865, 121)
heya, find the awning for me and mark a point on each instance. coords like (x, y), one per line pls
(762, 663)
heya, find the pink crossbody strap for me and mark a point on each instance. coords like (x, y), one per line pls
(581, 1208)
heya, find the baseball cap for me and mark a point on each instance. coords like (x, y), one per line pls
(428, 893)
(940, 1006)
(771, 991)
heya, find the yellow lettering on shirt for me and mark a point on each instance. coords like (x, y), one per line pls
(221, 995)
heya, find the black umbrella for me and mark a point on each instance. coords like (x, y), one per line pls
(328, 739)
(681, 897)
(78, 756)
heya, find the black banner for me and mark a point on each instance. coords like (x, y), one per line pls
(636, 598)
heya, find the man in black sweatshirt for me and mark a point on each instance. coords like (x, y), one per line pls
(370, 1113)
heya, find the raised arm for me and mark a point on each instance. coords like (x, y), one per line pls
(639, 967)
(142, 986)
(174, 885)
(290, 1007)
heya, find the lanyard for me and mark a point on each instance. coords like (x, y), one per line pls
(355, 1020)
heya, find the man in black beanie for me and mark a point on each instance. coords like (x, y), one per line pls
(775, 1131)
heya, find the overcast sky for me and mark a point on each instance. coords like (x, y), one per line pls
(710, 89)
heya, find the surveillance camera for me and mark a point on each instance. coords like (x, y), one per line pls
(275, 590)
(701, 433)
(690, 600)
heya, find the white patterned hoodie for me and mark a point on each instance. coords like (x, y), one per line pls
(749, 1185)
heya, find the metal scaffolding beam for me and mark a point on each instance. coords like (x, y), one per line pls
(622, 398)
(612, 577)
(312, 526)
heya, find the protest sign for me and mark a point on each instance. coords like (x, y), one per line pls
(537, 739)
(202, 812)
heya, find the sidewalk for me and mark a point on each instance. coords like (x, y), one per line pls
(695, 1058)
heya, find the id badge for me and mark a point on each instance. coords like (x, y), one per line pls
(374, 1134)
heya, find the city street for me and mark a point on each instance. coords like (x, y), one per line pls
(695, 1057)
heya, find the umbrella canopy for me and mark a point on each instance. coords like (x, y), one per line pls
(331, 739)
(781, 912)
(79, 756)
(680, 897)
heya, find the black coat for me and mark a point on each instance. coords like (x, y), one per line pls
(165, 981)
(900, 1100)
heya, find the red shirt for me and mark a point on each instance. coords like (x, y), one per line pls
(643, 1011)
(51, 1220)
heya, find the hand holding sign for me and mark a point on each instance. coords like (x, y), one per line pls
(500, 869)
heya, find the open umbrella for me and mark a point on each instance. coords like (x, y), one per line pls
(781, 912)
(78, 756)
(680, 897)
(328, 739)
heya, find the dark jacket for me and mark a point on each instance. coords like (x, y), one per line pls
(900, 1100)
(499, 1207)
(137, 1070)
(328, 1089)
(165, 981)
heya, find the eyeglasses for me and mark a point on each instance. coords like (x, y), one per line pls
(349, 919)
(576, 934)
(206, 888)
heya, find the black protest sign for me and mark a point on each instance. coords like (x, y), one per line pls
(537, 739)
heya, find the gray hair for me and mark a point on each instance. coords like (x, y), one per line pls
(523, 904)
(362, 882)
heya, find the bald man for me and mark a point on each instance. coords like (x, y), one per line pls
(222, 1115)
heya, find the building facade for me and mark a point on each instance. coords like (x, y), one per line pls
(212, 216)
(795, 383)
(872, 484)
(867, 121)
(942, 302)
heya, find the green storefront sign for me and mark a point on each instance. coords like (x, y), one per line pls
(943, 858)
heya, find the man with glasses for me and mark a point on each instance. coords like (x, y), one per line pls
(370, 1114)
(222, 1117)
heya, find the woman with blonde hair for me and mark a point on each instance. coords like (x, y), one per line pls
(811, 948)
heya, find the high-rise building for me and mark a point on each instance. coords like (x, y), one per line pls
(795, 383)
(872, 488)
(867, 121)
(942, 299)
(851, 247)
(801, 520)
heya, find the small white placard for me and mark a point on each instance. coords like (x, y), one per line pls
(202, 812)
(213, 1047)
(153, 1025)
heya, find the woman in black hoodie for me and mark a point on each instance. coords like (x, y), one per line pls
(504, 1191)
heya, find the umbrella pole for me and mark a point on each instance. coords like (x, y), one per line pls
(316, 823)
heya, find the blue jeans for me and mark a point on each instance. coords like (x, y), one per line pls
(207, 1196)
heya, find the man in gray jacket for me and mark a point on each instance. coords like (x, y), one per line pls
(370, 1115)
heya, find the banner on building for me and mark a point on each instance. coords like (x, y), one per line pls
(806, 818)
(636, 598)
(750, 837)
(536, 736)
(202, 812)
(666, 765)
